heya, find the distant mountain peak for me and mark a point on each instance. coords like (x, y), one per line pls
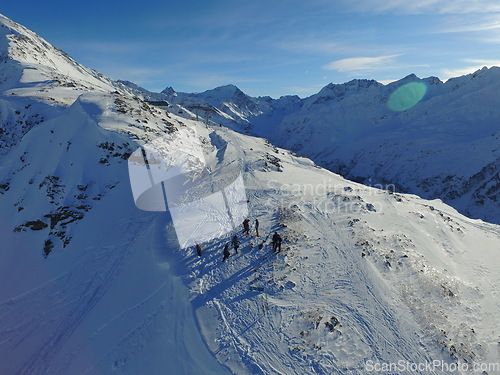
(432, 80)
(229, 86)
(169, 91)
(410, 77)
(336, 91)
(354, 84)
(226, 91)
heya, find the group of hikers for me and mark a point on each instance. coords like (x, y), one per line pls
(235, 242)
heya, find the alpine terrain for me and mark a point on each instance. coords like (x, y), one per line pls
(367, 280)
(420, 136)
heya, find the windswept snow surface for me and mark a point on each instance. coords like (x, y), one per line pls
(366, 278)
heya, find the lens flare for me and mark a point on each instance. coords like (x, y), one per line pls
(407, 96)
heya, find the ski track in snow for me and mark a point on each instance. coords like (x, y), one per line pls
(70, 302)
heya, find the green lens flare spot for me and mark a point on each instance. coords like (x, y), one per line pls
(407, 96)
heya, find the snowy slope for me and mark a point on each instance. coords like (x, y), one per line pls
(83, 290)
(109, 275)
(93, 285)
(407, 279)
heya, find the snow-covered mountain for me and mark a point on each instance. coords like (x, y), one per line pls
(31, 66)
(434, 139)
(444, 146)
(92, 285)
(226, 105)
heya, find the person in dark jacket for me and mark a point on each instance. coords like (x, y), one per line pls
(276, 242)
(279, 244)
(246, 226)
(198, 249)
(257, 227)
(226, 252)
(236, 243)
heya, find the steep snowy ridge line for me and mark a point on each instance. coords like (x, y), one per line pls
(32, 67)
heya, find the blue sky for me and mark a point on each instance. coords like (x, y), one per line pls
(273, 47)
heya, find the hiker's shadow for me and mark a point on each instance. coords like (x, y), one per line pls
(246, 291)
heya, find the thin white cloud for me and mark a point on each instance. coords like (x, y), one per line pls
(466, 6)
(487, 26)
(484, 62)
(469, 24)
(425, 6)
(474, 65)
(356, 64)
(480, 28)
(492, 39)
